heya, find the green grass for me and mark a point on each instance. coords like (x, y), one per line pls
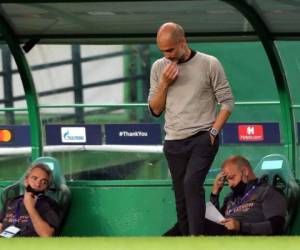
(157, 243)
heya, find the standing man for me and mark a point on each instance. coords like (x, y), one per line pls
(188, 85)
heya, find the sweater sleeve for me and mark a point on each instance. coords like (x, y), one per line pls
(154, 78)
(220, 85)
(154, 83)
(214, 199)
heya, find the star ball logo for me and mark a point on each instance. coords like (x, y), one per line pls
(5, 135)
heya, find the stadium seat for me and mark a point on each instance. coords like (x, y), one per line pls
(275, 169)
(58, 190)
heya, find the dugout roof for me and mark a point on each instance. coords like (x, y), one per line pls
(103, 21)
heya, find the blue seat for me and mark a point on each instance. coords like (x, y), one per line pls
(275, 169)
(58, 189)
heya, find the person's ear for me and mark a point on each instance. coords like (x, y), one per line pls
(245, 174)
(182, 41)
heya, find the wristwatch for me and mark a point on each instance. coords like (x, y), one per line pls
(214, 132)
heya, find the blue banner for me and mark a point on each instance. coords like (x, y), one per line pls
(133, 134)
(251, 133)
(14, 136)
(73, 134)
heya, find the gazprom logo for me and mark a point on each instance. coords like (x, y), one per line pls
(73, 135)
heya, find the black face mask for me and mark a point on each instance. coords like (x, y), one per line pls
(33, 191)
(240, 188)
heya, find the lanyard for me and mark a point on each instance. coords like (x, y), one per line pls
(17, 214)
(243, 199)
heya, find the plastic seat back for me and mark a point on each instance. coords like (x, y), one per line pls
(275, 169)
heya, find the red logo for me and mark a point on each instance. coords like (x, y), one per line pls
(5, 135)
(251, 132)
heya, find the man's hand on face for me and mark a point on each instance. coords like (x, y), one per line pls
(170, 73)
(218, 183)
(231, 224)
(29, 200)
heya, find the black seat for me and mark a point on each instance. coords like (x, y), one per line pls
(58, 189)
(275, 169)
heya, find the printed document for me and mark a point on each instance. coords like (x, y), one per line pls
(212, 213)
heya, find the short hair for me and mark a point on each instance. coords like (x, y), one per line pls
(176, 33)
(238, 161)
(43, 167)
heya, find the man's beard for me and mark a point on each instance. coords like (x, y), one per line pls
(181, 59)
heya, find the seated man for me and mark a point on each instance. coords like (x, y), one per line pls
(252, 208)
(31, 214)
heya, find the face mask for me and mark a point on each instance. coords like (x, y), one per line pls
(33, 191)
(240, 188)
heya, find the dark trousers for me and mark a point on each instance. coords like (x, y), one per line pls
(189, 161)
(211, 228)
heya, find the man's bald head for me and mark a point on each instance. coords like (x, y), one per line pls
(172, 43)
(170, 31)
(237, 168)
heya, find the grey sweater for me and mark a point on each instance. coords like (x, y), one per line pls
(191, 104)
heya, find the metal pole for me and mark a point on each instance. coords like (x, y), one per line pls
(28, 84)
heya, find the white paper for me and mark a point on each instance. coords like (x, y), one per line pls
(212, 213)
(10, 231)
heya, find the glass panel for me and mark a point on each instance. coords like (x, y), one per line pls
(105, 90)
(1, 47)
(247, 67)
(280, 16)
(13, 160)
(1, 79)
(108, 69)
(291, 63)
(13, 165)
(11, 89)
(1, 92)
(103, 164)
(120, 75)
(18, 90)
